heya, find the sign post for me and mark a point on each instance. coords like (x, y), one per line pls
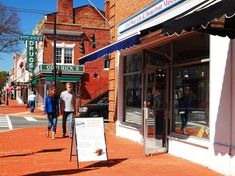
(31, 49)
(54, 51)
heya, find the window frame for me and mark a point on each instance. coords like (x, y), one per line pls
(64, 46)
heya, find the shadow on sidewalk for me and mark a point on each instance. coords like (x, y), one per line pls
(32, 153)
(109, 163)
(58, 172)
(91, 167)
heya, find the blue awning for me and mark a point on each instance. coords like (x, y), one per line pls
(119, 45)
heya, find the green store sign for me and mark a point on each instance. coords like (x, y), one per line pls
(31, 55)
(63, 68)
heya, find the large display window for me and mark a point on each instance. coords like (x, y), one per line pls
(191, 100)
(133, 89)
(183, 64)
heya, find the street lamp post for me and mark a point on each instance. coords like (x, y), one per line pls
(7, 102)
(54, 55)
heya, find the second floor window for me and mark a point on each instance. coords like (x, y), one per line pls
(64, 55)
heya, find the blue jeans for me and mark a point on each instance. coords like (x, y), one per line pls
(52, 122)
(31, 105)
(64, 120)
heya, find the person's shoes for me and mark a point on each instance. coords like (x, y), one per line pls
(183, 131)
(63, 135)
(47, 133)
(53, 135)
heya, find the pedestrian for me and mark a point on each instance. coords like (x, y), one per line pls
(68, 105)
(51, 110)
(31, 101)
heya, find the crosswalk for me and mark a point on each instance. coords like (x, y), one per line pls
(5, 122)
(9, 123)
(30, 119)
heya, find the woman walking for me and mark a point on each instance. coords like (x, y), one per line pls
(52, 110)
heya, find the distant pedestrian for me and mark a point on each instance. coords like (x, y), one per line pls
(31, 101)
(51, 110)
(68, 105)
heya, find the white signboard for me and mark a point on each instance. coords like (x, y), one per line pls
(91, 145)
(154, 9)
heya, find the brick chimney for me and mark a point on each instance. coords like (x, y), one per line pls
(106, 8)
(64, 11)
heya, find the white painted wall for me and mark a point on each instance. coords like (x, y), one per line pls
(222, 103)
(189, 149)
(221, 145)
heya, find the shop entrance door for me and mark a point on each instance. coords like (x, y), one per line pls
(155, 109)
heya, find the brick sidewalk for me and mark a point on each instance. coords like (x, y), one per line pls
(14, 108)
(29, 152)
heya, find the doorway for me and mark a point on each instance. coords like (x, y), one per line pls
(156, 96)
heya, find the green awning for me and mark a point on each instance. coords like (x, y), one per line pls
(34, 81)
(63, 78)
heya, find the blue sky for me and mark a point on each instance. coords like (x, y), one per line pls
(29, 20)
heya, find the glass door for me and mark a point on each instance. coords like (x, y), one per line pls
(155, 109)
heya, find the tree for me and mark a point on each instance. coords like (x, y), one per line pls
(3, 78)
(9, 30)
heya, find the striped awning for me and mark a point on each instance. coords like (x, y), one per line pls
(203, 17)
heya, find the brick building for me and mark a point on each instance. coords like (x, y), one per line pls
(79, 31)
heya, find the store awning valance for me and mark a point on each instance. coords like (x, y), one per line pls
(64, 78)
(119, 45)
(200, 18)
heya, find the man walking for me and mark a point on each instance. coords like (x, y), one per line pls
(68, 105)
(31, 101)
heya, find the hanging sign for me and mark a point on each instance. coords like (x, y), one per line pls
(31, 55)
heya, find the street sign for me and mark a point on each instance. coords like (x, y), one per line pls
(31, 37)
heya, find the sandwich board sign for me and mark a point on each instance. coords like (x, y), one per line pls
(90, 139)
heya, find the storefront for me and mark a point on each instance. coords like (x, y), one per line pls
(43, 78)
(176, 93)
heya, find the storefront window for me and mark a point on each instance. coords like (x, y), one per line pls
(133, 63)
(191, 100)
(185, 50)
(133, 89)
(158, 55)
(133, 93)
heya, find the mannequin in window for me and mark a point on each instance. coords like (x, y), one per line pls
(185, 107)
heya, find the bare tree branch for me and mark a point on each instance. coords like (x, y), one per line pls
(9, 30)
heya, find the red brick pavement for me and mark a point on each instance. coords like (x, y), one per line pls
(29, 152)
(14, 107)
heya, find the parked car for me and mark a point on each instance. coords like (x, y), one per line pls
(95, 108)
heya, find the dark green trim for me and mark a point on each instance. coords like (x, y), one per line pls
(63, 78)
